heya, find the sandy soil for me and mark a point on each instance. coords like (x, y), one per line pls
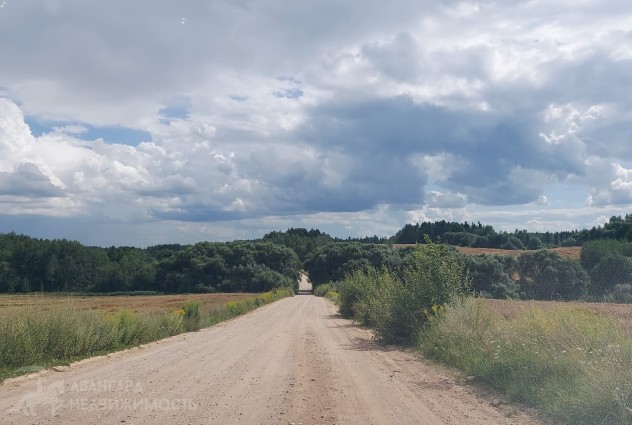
(294, 361)
(304, 285)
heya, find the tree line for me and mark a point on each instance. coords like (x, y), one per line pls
(28, 264)
(604, 272)
(484, 236)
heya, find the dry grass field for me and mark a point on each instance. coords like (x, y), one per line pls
(111, 304)
(511, 309)
(571, 252)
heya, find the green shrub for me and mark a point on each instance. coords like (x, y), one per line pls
(398, 304)
(327, 290)
(572, 364)
(491, 275)
(321, 290)
(333, 296)
(431, 276)
(545, 275)
(356, 289)
(335, 261)
(620, 294)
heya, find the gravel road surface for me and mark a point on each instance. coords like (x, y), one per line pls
(293, 361)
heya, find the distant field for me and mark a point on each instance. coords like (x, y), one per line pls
(137, 303)
(622, 313)
(571, 252)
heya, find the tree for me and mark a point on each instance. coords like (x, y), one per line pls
(544, 275)
(334, 261)
(490, 275)
(611, 270)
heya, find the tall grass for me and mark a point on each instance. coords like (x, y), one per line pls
(321, 290)
(31, 337)
(41, 337)
(328, 291)
(575, 366)
(191, 313)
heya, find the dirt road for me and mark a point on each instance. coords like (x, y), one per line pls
(294, 361)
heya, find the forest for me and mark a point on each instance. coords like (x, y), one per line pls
(28, 264)
(478, 235)
(604, 271)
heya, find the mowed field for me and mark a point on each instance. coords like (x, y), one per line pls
(571, 252)
(110, 304)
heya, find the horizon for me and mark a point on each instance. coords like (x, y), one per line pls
(260, 237)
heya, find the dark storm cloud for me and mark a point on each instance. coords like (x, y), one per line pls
(384, 135)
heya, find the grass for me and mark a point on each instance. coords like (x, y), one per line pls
(328, 291)
(621, 313)
(112, 303)
(571, 363)
(333, 296)
(32, 337)
(322, 290)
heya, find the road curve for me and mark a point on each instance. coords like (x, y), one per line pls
(294, 361)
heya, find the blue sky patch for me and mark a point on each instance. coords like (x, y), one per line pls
(174, 112)
(290, 79)
(117, 135)
(239, 98)
(110, 134)
(288, 93)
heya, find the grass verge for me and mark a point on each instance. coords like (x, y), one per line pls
(35, 338)
(328, 291)
(572, 364)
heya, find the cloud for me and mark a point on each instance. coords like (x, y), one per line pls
(397, 59)
(445, 200)
(492, 158)
(618, 192)
(266, 113)
(27, 181)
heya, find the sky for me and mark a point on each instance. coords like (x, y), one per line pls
(148, 122)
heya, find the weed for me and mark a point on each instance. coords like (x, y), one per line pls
(192, 315)
(62, 333)
(572, 364)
